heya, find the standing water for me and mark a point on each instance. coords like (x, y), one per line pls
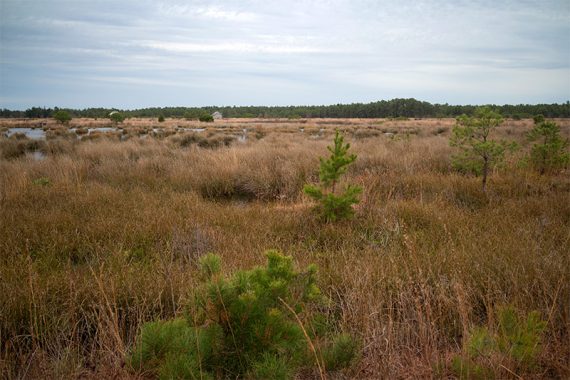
(31, 133)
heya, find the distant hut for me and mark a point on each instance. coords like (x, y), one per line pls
(217, 115)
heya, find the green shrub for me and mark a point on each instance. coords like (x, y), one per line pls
(520, 337)
(271, 366)
(246, 326)
(551, 153)
(341, 352)
(42, 181)
(62, 116)
(477, 151)
(160, 118)
(517, 338)
(538, 119)
(116, 117)
(206, 118)
(332, 206)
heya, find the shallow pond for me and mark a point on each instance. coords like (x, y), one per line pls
(101, 129)
(191, 129)
(31, 133)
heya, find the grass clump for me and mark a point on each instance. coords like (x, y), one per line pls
(250, 325)
(18, 145)
(210, 142)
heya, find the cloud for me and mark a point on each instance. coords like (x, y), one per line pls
(229, 47)
(282, 52)
(210, 12)
(219, 13)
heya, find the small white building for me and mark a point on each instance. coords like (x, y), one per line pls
(217, 115)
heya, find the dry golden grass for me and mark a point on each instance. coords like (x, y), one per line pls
(104, 234)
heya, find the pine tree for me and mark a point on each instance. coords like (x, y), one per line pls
(472, 135)
(551, 153)
(251, 325)
(333, 206)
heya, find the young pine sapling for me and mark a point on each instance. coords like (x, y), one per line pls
(550, 152)
(478, 151)
(332, 204)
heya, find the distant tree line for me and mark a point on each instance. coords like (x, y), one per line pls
(410, 108)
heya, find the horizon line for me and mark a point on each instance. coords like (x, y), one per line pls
(291, 105)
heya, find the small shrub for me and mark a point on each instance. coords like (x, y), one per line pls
(333, 207)
(260, 133)
(188, 140)
(161, 118)
(116, 117)
(538, 119)
(516, 338)
(248, 325)
(341, 352)
(206, 118)
(440, 130)
(520, 337)
(551, 153)
(62, 117)
(43, 181)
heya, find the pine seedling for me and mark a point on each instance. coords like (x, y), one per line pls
(517, 338)
(520, 337)
(246, 326)
(332, 204)
(550, 152)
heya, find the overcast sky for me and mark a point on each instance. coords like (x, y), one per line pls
(142, 53)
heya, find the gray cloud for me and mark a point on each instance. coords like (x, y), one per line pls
(81, 53)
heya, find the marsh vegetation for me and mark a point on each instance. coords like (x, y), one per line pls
(107, 233)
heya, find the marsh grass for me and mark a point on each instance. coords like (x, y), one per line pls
(113, 239)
